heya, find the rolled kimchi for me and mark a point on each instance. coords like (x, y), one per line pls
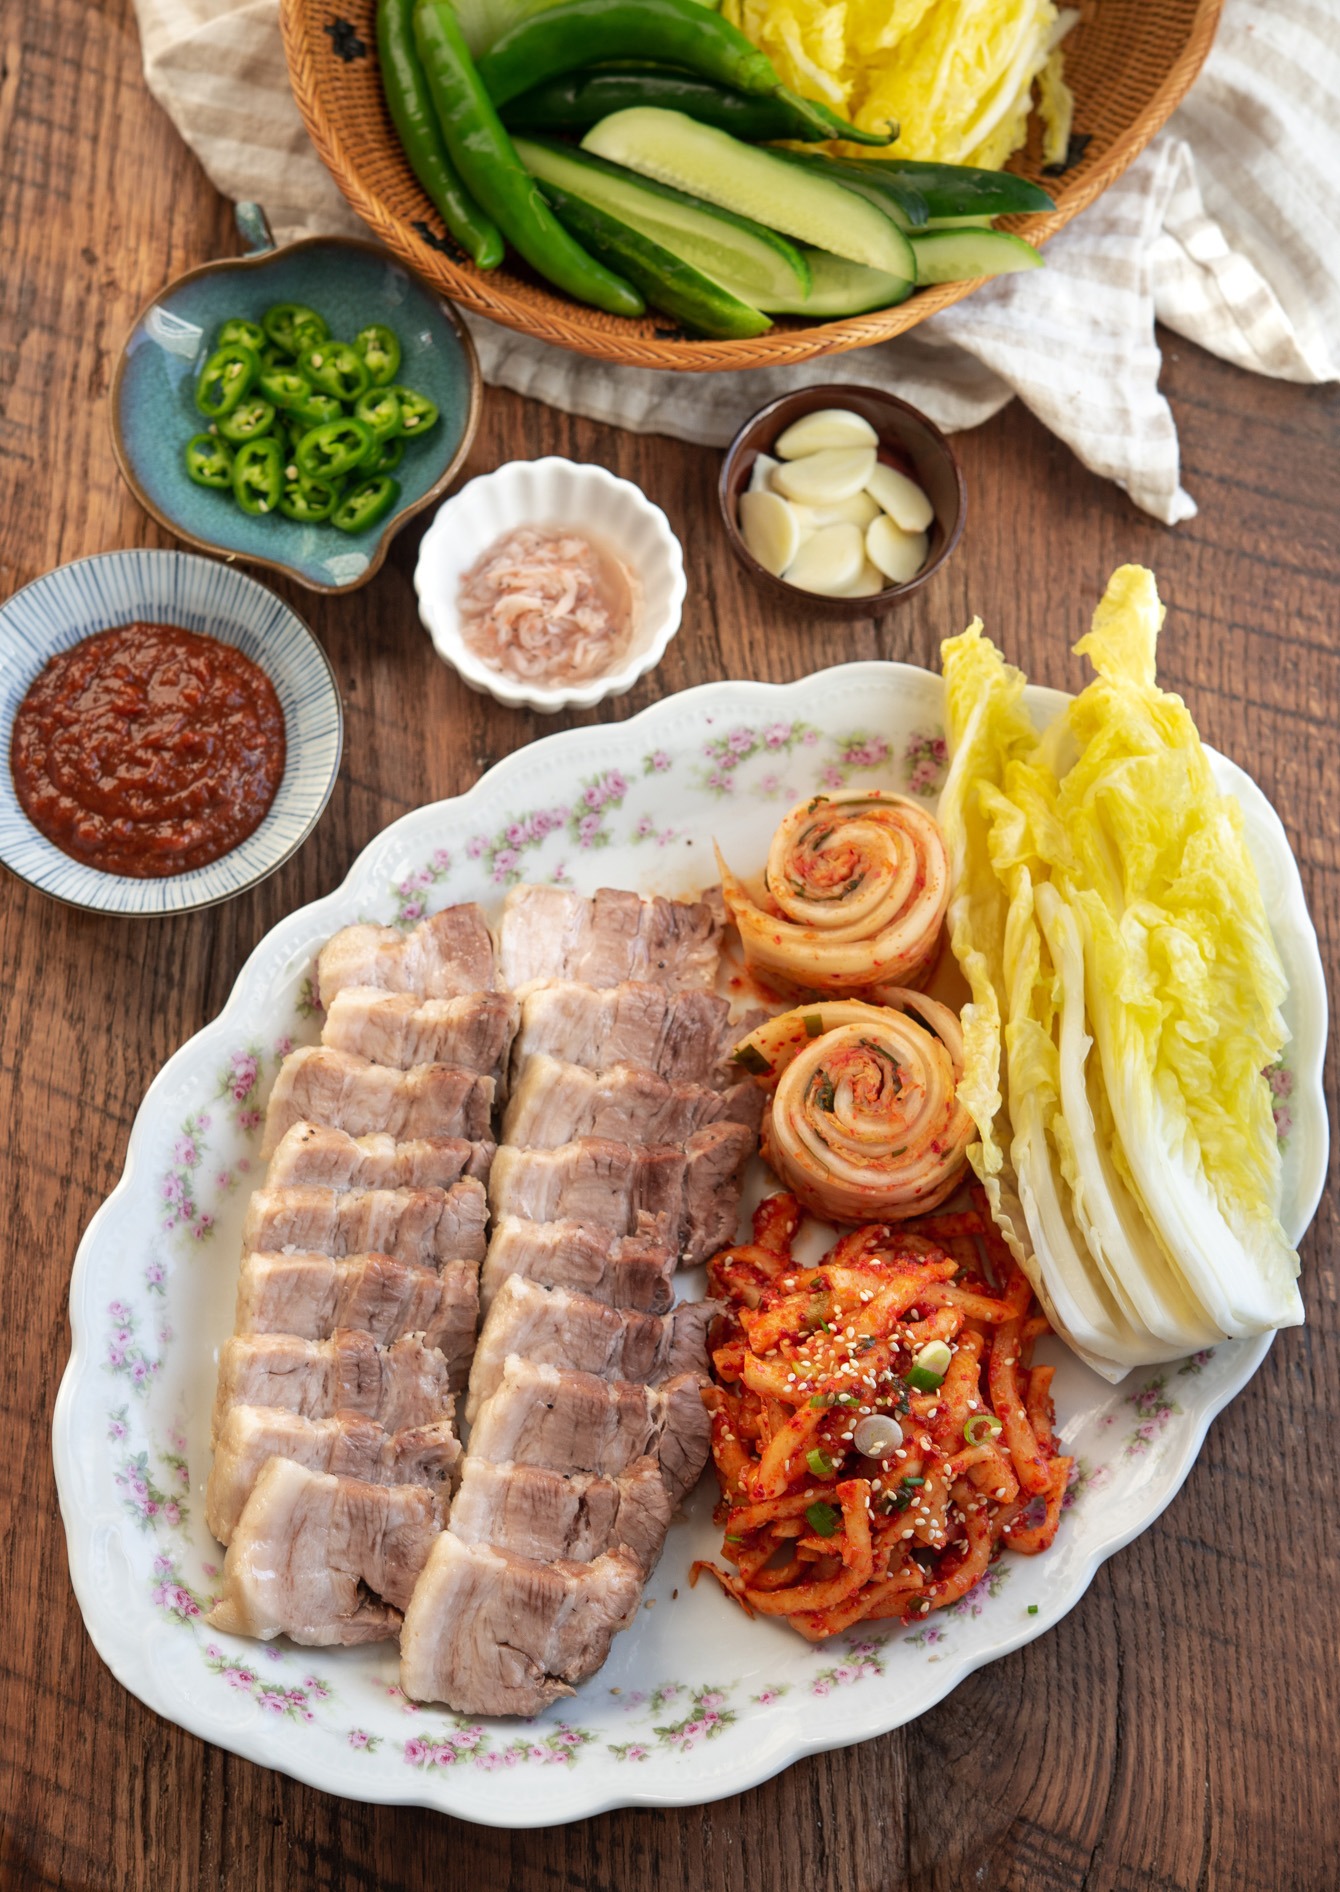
(864, 1124)
(856, 889)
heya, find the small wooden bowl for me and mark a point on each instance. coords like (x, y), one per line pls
(907, 439)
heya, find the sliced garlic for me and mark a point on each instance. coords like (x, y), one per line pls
(828, 561)
(827, 427)
(899, 555)
(869, 580)
(758, 474)
(770, 529)
(825, 478)
(859, 510)
(901, 498)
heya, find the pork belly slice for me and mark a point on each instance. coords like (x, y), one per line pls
(347, 1092)
(312, 1153)
(554, 1327)
(473, 1032)
(405, 1384)
(557, 1103)
(323, 1559)
(442, 957)
(491, 1633)
(611, 1185)
(686, 1037)
(418, 1225)
(315, 1295)
(346, 1444)
(553, 933)
(543, 1514)
(567, 1421)
(620, 1270)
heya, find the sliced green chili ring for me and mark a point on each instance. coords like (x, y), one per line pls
(366, 505)
(258, 476)
(248, 421)
(292, 326)
(335, 368)
(286, 387)
(380, 348)
(417, 413)
(388, 459)
(819, 1462)
(380, 410)
(981, 1427)
(209, 462)
(317, 409)
(822, 1519)
(309, 501)
(273, 356)
(239, 329)
(335, 447)
(226, 378)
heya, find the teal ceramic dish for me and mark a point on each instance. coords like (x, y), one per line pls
(352, 283)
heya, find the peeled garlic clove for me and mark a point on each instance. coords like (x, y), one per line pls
(758, 476)
(827, 427)
(824, 479)
(768, 527)
(901, 498)
(859, 510)
(828, 561)
(899, 555)
(870, 581)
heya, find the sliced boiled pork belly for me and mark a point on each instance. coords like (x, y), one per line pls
(313, 1153)
(611, 1185)
(346, 1444)
(555, 1327)
(314, 1296)
(324, 1559)
(620, 1270)
(553, 933)
(350, 1093)
(568, 1421)
(556, 1103)
(414, 1225)
(686, 1037)
(491, 1633)
(547, 1515)
(442, 957)
(473, 1032)
(405, 1384)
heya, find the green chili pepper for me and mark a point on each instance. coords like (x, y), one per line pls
(335, 368)
(209, 461)
(309, 501)
(258, 476)
(417, 413)
(389, 458)
(316, 409)
(484, 155)
(366, 504)
(292, 326)
(592, 32)
(412, 114)
(273, 356)
(579, 100)
(286, 387)
(335, 447)
(226, 378)
(239, 329)
(248, 421)
(380, 348)
(380, 410)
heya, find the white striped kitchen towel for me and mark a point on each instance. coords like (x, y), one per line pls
(1227, 230)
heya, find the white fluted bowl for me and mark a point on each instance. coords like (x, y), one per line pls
(551, 492)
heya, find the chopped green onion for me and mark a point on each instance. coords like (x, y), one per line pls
(929, 1367)
(981, 1427)
(822, 1519)
(820, 1400)
(814, 1024)
(920, 1381)
(750, 1058)
(1032, 1609)
(733, 1540)
(819, 1462)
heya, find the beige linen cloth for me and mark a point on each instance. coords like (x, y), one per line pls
(1227, 229)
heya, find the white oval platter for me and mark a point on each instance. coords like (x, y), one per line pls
(695, 1702)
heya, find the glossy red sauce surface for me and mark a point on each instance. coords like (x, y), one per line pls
(146, 750)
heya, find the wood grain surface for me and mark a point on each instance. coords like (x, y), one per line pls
(1178, 1729)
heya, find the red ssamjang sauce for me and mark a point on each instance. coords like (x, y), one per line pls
(146, 750)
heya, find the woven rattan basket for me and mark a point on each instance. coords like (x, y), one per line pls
(1128, 61)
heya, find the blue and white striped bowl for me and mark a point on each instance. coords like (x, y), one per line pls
(195, 594)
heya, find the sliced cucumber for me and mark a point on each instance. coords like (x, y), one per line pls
(948, 190)
(665, 280)
(967, 255)
(673, 149)
(841, 288)
(751, 260)
(954, 223)
(903, 202)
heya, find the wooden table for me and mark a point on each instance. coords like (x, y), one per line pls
(1178, 1730)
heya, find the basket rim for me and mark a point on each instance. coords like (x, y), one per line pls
(574, 328)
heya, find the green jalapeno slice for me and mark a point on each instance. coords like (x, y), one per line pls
(316, 409)
(380, 410)
(248, 421)
(335, 368)
(239, 329)
(226, 378)
(364, 505)
(335, 447)
(293, 326)
(417, 413)
(391, 453)
(209, 461)
(287, 387)
(309, 501)
(258, 476)
(380, 348)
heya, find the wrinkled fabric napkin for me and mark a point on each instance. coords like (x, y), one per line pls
(1226, 229)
